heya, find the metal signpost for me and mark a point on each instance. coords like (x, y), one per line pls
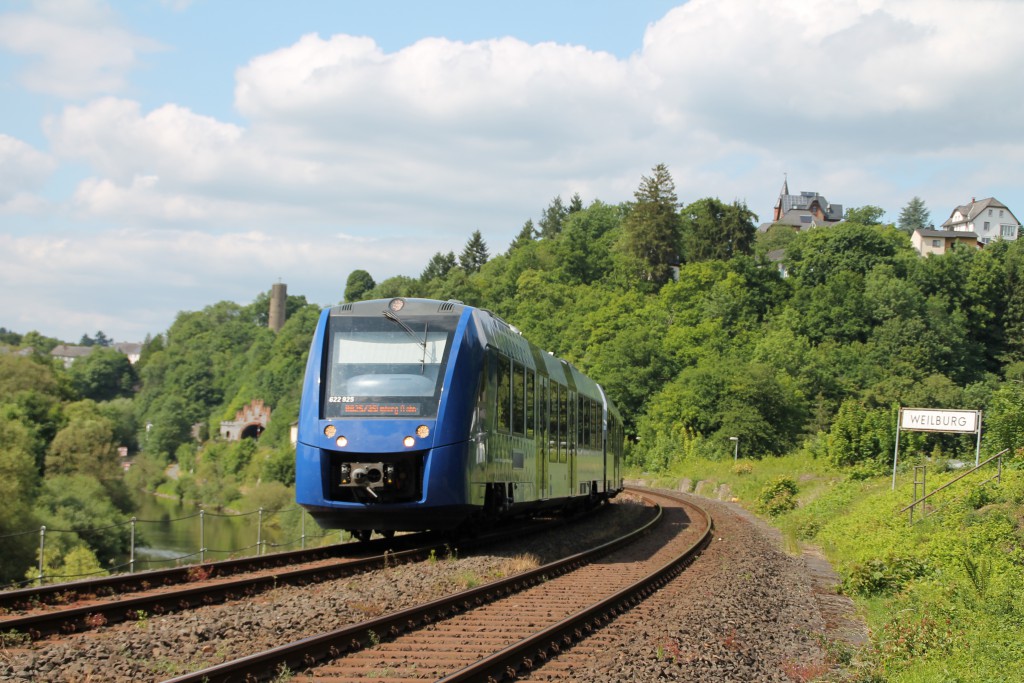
(937, 420)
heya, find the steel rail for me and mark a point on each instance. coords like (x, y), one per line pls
(531, 652)
(317, 649)
(351, 559)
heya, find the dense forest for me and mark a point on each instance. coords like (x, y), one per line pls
(675, 308)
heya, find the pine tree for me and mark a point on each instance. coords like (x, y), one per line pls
(475, 254)
(651, 231)
(440, 265)
(527, 234)
(552, 218)
(914, 216)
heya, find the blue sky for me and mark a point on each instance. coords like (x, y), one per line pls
(159, 156)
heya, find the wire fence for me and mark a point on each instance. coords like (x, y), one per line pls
(260, 546)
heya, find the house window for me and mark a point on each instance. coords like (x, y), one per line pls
(936, 243)
(1007, 230)
(986, 226)
(990, 212)
(1000, 213)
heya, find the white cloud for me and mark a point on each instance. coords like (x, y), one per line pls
(130, 282)
(866, 101)
(73, 47)
(23, 171)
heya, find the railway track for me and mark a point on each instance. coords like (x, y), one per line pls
(499, 630)
(83, 605)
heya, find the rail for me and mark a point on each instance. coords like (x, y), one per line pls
(920, 501)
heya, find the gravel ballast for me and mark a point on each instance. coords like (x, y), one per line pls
(748, 608)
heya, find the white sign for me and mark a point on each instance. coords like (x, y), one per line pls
(936, 420)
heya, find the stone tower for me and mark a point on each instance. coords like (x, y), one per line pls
(278, 297)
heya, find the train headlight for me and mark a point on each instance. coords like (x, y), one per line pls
(396, 305)
(342, 441)
(409, 441)
(330, 431)
(423, 431)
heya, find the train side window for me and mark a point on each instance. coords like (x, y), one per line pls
(564, 428)
(585, 403)
(552, 417)
(504, 394)
(531, 403)
(518, 399)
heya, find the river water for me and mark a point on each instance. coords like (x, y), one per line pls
(170, 533)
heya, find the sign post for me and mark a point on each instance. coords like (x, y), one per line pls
(937, 420)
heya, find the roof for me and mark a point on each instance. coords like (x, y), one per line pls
(954, 234)
(975, 208)
(70, 351)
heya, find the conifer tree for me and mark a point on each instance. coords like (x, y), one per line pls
(475, 253)
(651, 231)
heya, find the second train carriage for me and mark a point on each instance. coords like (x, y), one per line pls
(420, 414)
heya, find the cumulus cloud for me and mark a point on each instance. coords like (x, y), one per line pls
(915, 74)
(422, 145)
(130, 282)
(73, 47)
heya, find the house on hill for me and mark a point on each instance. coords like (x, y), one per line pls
(803, 211)
(989, 219)
(69, 353)
(929, 241)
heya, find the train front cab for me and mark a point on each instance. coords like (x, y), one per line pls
(429, 449)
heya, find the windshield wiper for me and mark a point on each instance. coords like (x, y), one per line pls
(408, 330)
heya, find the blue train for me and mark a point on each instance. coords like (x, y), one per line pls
(419, 414)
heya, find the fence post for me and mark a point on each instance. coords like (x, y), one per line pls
(259, 534)
(42, 553)
(202, 535)
(131, 557)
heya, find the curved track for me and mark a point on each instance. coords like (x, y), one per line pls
(501, 629)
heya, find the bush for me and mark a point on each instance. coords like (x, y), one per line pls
(778, 496)
(880, 577)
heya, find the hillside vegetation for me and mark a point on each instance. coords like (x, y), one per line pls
(695, 334)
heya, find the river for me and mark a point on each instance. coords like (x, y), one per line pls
(169, 532)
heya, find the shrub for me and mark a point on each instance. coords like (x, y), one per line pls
(883, 576)
(778, 496)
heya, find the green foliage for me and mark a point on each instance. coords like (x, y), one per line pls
(103, 375)
(474, 254)
(712, 230)
(358, 284)
(865, 215)
(83, 510)
(778, 496)
(914, 216)
(880, 576)
(651, 231)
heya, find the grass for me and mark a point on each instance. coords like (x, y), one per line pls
(943, 599)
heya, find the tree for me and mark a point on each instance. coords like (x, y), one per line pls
(526, 235)
(865, 215)
(575, 203)
(103, 375)
(712, 229)
(651, 230)
(552, 217)
(359, 283)
(439, 266)
(914, 216)
(474, 255)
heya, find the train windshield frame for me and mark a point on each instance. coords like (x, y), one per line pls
(386, 366)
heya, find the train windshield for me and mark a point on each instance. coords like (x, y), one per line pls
(386, 366)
